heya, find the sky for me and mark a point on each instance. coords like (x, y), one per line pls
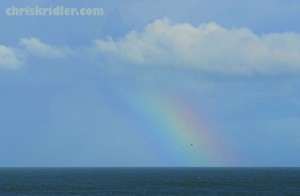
(155, 83)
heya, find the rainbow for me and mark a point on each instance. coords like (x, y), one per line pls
(175, 130)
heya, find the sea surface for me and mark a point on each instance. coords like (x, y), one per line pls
(149, 181)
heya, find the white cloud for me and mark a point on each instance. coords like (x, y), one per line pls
(35, 47)
(14, 57)
(9, 59)
(208, 47)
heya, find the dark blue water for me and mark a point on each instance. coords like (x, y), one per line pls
(150, 181)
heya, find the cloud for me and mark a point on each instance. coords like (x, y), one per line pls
(15, 57)
(34, 47)
(9, 59)
(208, 47)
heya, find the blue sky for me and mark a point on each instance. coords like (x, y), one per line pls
(65, 81)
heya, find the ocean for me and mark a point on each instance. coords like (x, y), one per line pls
(150, 181)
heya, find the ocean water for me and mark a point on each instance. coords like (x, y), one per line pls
(150, 181)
